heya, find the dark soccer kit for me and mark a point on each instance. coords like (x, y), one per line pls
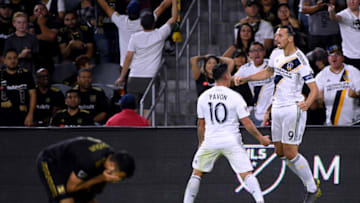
(85, 156)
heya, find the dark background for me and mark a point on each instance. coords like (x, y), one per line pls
(163, 157)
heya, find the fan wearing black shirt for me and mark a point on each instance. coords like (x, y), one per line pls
(6, 27)
(75, 170)
(17, 93)
(48, 98)
(72, 116)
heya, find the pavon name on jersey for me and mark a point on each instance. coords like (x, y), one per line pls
(217, 97)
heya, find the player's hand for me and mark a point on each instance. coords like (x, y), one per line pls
(266, 119)
(238, 80)
(303, 106)
(331, 8)
(265, 140)
(109, 177)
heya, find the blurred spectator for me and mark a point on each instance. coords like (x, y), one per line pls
(128, 115)
(46, 28)
(349, 22)
(284, 15)
(303, 18)
(82, 61)
(86, 13)
(129, 24)
(245, 36)
(24, 43)
(203, 76)
(144, 55)
(56, 8)
(322, 31)
(48, 99)
(263, 30)
(262, 91)
(334, 83)
(72, 115)
(6, 27)
(75, 40)
(269, 11)
(93, 99)
(318, 59)
(18, 94)
(240, 58)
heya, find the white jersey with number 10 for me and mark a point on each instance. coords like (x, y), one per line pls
(222, 108)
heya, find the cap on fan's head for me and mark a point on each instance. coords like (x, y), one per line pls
(128, 101)
(334, 49)
(133, 9)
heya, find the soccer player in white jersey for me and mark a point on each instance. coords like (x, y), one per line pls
(335, 82)
(262, 91)
(219, 111)
(289, 108)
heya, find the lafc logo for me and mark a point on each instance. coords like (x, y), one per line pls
(261, 157)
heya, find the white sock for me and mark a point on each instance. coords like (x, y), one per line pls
(302, 169)
(192, 189)
(291, 166)
(253, 187)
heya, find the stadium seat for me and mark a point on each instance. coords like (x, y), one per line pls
(106, 73)
(63, 71)
(62, 87)
(108, 89)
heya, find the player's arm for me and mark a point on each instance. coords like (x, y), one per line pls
(75, 184)
(201, 130)
(250, 127)
(162, 7)
(128, 58)
(313, 95)
(105, 6)
(261, 75)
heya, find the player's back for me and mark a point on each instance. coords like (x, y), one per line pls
(221, 108)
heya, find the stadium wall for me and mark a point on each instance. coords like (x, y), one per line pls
(164, 155)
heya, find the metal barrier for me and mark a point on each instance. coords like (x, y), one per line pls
(154, 99)
(186, 45)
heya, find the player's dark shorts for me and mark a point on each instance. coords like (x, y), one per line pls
(53, 178)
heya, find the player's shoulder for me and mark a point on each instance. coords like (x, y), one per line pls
(302, 58)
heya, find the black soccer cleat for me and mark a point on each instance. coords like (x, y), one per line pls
(310, 197)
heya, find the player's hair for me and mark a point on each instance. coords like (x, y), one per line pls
(290, 30)
(219, 70)
(18, 15)
(125, 162)
(147, 19)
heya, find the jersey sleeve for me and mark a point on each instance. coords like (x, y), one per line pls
(200, 111)
(242, 109)
(165, 31)
(116, 18)
(131, 45)
(319, 82)
(307, 74)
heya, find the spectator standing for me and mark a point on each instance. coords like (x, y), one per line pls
(46, 28)
(26, 45)
(144, 54)
(93, 99)
(56, 8)
(48, 99)
(349, 22)
(129, 24)
(322, 31)
(75, 40)
(71, 116)
(6, 27)
(268, 11)
(128, 115)
(18, 94)
(262, 91)
(245, 36)
(263, 30)
(334, 83)
(203, 76)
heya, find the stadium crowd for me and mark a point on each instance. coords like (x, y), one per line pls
(48, 54)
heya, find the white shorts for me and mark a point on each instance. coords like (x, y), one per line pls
(288, 124)
(237, 156)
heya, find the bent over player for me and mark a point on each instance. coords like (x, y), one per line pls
(75, 170)
(219, 111)
(289, 107)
